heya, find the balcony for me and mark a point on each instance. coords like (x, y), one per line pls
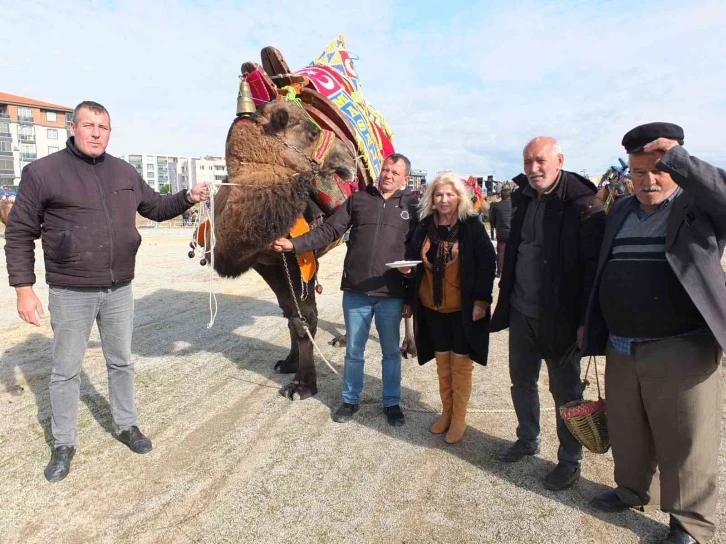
(6, 153)
(28, 156)
(26, 119)
(27, 138)
(4, 115)
(4, 134)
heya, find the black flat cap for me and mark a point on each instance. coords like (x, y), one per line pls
(635, 139)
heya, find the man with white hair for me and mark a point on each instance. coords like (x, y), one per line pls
(549, 267)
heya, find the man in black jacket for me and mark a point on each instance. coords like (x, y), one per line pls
(658, 310)
(500, 218)
(549, 268)
(82, 203)
(380, 219)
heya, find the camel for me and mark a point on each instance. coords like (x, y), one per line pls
(270, 164)
(273, 177)
(614, 184)
(301, 144)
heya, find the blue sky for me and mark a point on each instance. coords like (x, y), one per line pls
(463, 85)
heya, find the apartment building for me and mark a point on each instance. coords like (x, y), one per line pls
(417, 180)
(209, 168)
(29, 129)
(172, 173)
(165, 173)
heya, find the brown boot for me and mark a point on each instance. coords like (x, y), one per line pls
(461, 370)
(443, 368)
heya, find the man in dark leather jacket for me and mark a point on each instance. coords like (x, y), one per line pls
(380, 220)
(82, 203)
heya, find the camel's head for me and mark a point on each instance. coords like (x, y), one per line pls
(279, 142)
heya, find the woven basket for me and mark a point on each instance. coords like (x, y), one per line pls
(587, 420)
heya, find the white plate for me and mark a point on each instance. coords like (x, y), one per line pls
(402, 264)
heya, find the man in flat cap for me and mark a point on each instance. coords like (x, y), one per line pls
(658, 311)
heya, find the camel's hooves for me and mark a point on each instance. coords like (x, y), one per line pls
(286, 366)
(297, 391)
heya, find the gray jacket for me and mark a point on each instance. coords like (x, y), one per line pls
(695, 241)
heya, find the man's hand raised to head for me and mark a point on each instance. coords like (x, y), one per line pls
(30, 309)
(661, 146)
(282, 244)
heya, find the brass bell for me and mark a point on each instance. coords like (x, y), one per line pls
(245, 102)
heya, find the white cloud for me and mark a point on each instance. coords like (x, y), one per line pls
(463, 88)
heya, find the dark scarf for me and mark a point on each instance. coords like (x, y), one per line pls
(440, 254)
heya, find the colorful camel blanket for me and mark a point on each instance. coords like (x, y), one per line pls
(333, 75)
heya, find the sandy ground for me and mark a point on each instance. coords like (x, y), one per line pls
(235, 462)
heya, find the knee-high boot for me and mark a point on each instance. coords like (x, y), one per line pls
(461, 371)
(443, 369)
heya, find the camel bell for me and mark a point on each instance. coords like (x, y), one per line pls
(245, 103)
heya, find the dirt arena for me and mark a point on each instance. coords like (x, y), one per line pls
(233, 461)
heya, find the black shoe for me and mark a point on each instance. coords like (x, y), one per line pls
(394, 415)
(678, 535)
(610, 501)
(345, 412)
(514, 452)
(60, 463)
(135, 440)
(562, 476)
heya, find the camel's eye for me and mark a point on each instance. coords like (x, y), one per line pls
(312, 131)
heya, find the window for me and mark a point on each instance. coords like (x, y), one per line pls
(6, 147)
(52, 149)
(50, 116)
(26, 133)
(219, 178)
(27, 152)
(52, 133)
(150, 175)
(25, 112)
(201, 167)
(6, 164)
(4, 127)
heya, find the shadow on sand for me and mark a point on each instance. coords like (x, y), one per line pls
(183, 323)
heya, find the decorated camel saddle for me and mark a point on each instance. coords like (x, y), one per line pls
(615, 183)
(301, 143)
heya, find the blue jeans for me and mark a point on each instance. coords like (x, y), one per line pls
(358, 311)
(565, 386)
(73, 311)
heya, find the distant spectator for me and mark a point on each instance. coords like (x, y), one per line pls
(500, 218)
